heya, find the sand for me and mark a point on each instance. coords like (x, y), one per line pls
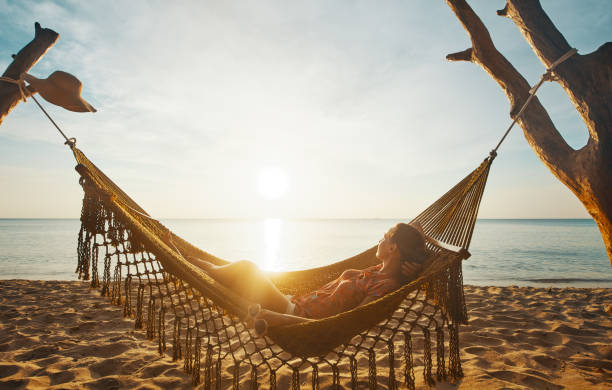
(59, 335)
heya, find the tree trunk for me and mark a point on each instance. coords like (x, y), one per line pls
(587, 79)
(10, 96)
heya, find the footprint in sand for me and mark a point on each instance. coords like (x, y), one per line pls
(153, 371)
(529, 381)
(106, 367)
(472, 338)
(476, 350)
(37, 353)
(103, 384)
(547, 361)
(7, 370)
(14, 384)
(83, 327)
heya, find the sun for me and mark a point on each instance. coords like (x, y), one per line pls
(272, 182)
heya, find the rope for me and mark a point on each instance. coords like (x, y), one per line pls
(547, 76)
(152, 219)
(20, 83)
(69, 141)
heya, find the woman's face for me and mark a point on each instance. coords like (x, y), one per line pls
(386, 248)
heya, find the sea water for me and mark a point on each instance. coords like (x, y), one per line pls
(535, 252)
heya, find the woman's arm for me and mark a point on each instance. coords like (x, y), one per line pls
(409, 270)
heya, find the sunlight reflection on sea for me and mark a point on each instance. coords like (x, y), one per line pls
(504, 252)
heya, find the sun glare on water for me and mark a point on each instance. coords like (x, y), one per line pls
(272, 183)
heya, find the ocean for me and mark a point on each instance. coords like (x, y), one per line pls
(523, 252)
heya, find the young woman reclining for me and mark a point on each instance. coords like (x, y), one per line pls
(401, 252)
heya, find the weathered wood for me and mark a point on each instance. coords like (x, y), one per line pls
(44, 38)
(465, 55)
(587, 79)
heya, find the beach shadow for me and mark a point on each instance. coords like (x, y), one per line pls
(8, 370)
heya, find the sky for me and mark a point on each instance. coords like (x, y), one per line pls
(352, 102)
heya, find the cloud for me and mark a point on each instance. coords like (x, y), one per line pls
(353, 98)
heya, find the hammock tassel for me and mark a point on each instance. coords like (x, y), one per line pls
(196, 360)
(188, 351)
(139, 323)
(81, 250)
(95, 282)
(161, 326)
(441, 366)
(236, 377)
(127, 306)
(151, 319)
(177, 353)
(272, 379)
(458, 311)
(409, 368)
(335, 377)
(218, 373)
(454, 358)
(427, 363)
(372, 369)
(254, 385)
(392, 384)
(88, 248)
(353, 368)
(116, 292)
(295, 379)
(106, 278)
(84, 240)
(208, 368)
(315, 376)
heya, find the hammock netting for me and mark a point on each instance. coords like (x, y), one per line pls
(121, 251)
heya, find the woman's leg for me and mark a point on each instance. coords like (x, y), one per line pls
(247, 280)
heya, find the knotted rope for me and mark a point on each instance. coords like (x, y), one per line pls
(20, 83)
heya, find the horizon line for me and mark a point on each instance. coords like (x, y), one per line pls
(302, 218)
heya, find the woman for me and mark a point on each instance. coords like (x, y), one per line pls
(401, 252)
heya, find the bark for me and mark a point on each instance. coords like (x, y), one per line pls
(587, 79)
(44, 38)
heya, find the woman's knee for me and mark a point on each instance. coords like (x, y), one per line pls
(246, 266)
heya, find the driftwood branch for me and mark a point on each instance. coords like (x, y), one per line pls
(538, 128)
(539, 31)
(587, 79)
(577, 74)
(44, 38)
(465, 55)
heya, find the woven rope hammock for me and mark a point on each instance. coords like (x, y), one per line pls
(157, 287)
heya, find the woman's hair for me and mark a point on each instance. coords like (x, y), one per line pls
(410, 243)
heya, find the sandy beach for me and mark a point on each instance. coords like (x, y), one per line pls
(61, 335)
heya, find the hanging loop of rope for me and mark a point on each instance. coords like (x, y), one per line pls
(20, 83)
(547, 76)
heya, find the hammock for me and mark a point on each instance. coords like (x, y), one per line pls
(207, 318)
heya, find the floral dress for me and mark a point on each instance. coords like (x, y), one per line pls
(344, 293)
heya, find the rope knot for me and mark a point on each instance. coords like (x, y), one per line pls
(71, 142)
(20, 83)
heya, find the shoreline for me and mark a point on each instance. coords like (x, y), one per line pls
(60, 334)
